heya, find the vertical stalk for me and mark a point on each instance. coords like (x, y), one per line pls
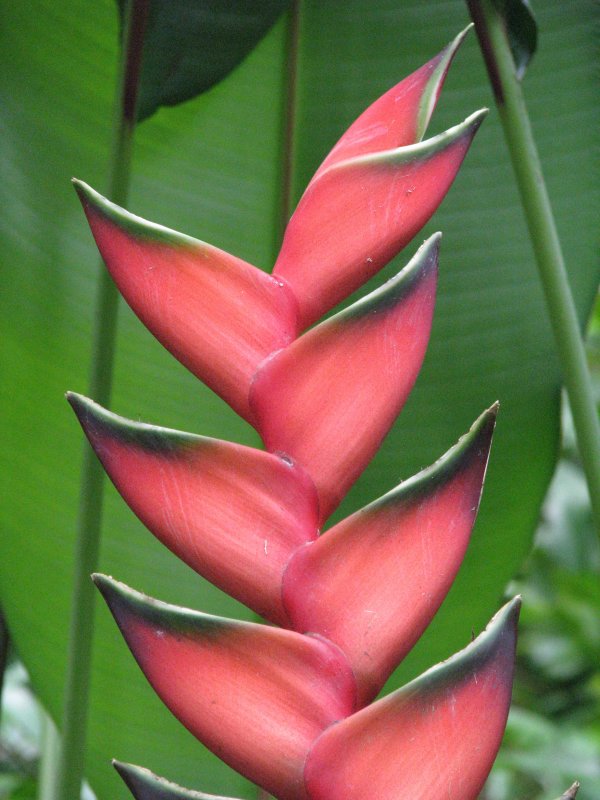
(4, 645)
(544, 236)
(71, 761)
(50, 753)
(289, 123)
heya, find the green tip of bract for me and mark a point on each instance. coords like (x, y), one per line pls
(421, 151)
(477, 440)
(388, 295)
(434, 85)
(137, 227)
(500, 632)
(145, 785)
(472, 122)
(480, 431)
(99, 423)
(451, 48)
(129, 606)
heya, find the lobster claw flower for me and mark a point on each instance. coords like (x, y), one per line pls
(218, 315)
(373, 582)
(233, 513)
(281, 708)
(291, 707)
(309, 399)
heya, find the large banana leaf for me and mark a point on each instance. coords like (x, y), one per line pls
(213, 168)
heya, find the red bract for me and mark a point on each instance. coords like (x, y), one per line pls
(291, 706)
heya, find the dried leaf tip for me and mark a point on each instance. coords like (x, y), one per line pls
(571, 792)
(145, 785)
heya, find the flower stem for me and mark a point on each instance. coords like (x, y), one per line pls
(50, 753)
(286, 197)
(544, 236)
(71, 761)
(4, 645)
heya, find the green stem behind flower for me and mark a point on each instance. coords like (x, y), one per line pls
(74, 722)
(542, 229)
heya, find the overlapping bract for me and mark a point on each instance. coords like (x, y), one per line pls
(288, 706)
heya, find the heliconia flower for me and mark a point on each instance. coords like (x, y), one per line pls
(291, 707)
(273, 718)
(363, 211)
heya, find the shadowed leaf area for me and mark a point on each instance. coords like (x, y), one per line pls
(191, 46)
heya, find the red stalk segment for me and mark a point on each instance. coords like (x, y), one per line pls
(217, 314)
(359, 213)
(435, 737)
(145, 785)
(401, 115)
(329, 398)
(233, 513)
(373, 583)
(257, 696)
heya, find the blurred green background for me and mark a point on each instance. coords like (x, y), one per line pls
(213, 167)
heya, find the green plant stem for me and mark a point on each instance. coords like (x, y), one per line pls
(4, 645)
(542, 230)
(74, 722)
(50, 752)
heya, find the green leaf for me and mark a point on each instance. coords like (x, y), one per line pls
(212, 168)
(539, 758)
(522, 31)
(190, 46)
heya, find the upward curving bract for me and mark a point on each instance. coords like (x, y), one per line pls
(447, 726)
(361, 212)
(413, 540)
(291, 707)
(217, 314)
(311, 401)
